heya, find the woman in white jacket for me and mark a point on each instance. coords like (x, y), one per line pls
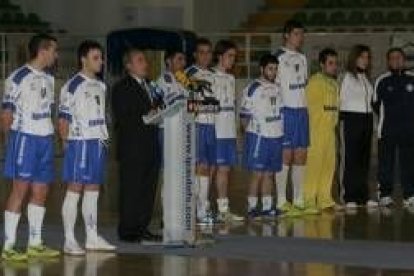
(356, 119)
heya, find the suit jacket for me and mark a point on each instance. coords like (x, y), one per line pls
(135, 139)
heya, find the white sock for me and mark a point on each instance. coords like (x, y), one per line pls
(266, 203)
(281, 183)
(35, 215)
(90, 213)
(223, 204)
(202, 196)
(11, 220)
(252, 202)
(69, 214)
(297, 181)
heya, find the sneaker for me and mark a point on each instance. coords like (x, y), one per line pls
(228, 217)
(13, 256)
(254, 214)
(293, 212)
(409, 202)
(310, 211)
(372, 204)
(272, 213)
(73, 248)
(285, 207)
(351, 205)
(386, 201)
(41, 251)
(99, 244)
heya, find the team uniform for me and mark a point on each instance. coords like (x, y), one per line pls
(30, 151)
(205, 147)
(323, 104)
(261, 105)
(394, 103)
(82, 104)
(224, 88)
(293, 75)
(206, 132)
(29, 95)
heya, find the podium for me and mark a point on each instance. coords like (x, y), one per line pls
(178, 192)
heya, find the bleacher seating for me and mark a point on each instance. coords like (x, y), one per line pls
(334, 15)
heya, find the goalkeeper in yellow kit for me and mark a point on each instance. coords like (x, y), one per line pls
(323, 97)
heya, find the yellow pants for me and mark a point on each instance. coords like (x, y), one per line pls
(320, 169)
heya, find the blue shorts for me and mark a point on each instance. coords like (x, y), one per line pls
(29, 157)
(262, 154)
(295, 128)
(84, 162)
(206, 144)
(226, 152)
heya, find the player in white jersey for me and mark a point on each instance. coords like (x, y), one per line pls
(261, 118)
(293, 75)
(83, 129)
(206, 133)
(27, 120)
(224, 88)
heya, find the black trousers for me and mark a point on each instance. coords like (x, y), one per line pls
(138, 180)
(387, 149)
(356, 140)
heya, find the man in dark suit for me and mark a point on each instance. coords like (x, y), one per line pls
(137, 149)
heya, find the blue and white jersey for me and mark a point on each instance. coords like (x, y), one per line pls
(172, 90)
(29, 93)
(82, 103)
(262, 104)
(293, 77)
(205, 75)
(224, 88)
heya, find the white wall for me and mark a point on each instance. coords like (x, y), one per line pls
(98, 17)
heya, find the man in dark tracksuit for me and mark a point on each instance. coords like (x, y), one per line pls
(393, 101)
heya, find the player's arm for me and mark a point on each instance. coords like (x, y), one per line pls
(246, 110)
(8, 105)
(65, 113)
(376, 97)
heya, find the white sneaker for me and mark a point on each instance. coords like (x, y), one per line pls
(73, 248)
(229, 217)
(372, 204)
(409, 202)
(351, 205)
(386, 201)
(99, 244)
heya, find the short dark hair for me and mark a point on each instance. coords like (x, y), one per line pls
(267, 59)
(222, 46)
(354, 54)
(39, 42)
(290, 25)
(128, 53)
(396, 49)
(202, 41)
(325, 53)
(171, 53)
(85, 47)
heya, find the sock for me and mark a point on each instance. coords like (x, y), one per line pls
(69, 214)
(252, 202)
(11, 220)
(202, 205)
(35, 215)
(281, 182)
(90, 213)
(297, 181)
(266, 203)
(223, 204)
